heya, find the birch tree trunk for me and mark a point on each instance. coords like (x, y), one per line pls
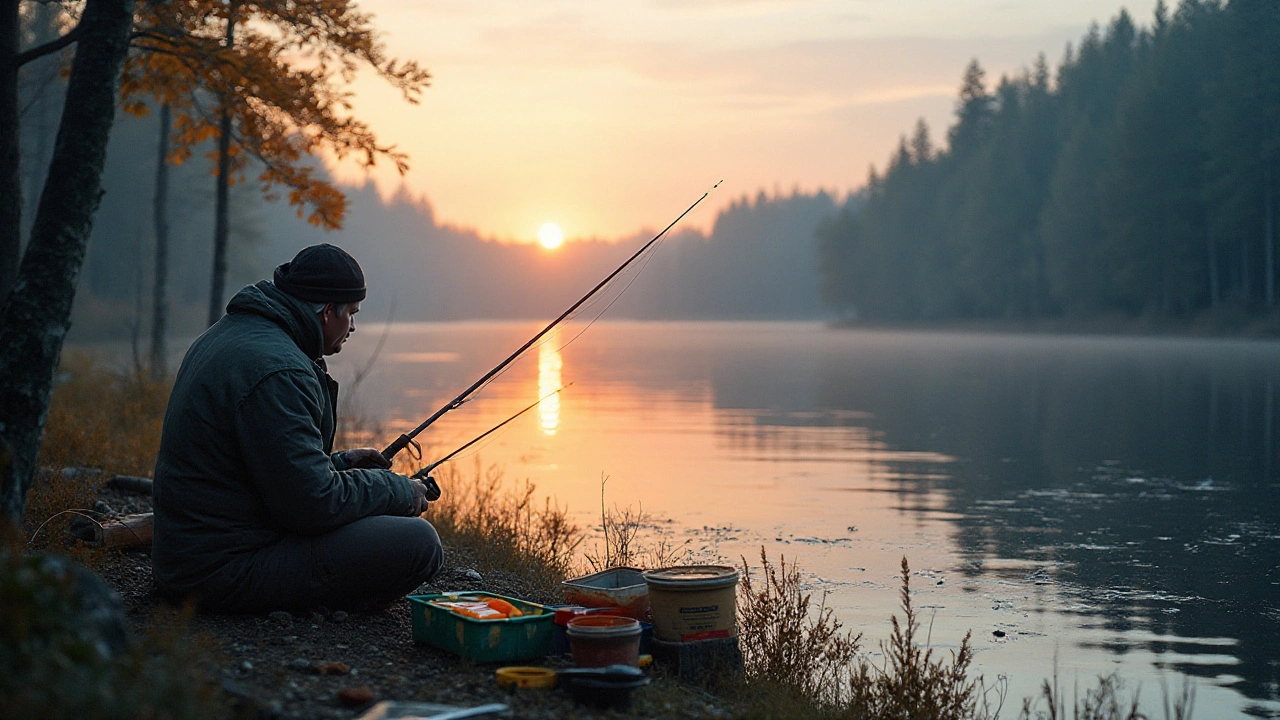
(36, 317)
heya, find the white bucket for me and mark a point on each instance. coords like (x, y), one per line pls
(693, 602)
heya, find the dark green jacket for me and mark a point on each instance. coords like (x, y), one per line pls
(245, 451)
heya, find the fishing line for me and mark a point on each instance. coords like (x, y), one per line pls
(405, 439)
(426, 471)
(615, 299)
(645, 258)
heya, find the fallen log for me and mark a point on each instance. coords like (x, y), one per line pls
(129, 531)
(130, 484)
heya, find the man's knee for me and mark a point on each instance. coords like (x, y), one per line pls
(429, 551)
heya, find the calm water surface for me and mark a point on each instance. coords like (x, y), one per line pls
(1112, 503)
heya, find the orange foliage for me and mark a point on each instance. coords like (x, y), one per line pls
(283, 81)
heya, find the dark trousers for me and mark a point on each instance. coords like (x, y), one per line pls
(368, 563)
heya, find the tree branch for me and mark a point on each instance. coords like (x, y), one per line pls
(48, 48)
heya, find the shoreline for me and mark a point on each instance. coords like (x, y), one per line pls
(1256, 328)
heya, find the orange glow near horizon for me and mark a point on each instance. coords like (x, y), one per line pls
(620, 114)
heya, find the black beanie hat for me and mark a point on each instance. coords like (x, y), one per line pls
(322, 273)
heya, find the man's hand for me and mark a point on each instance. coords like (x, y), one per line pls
(419, 496)
(366, 458)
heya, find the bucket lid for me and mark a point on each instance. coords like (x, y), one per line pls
(692, 577)
(602, 626)
(565, 614)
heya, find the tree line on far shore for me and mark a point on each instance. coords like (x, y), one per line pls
(1141, 179)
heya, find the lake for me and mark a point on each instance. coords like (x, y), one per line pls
(1102, 503)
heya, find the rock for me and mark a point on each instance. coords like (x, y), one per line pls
(332, 668)
(103, 507)
(998, 633)
(80, 473)
(317, 617)
(300, 664)
(469, 574)
(90, 612)
(355, 696)
(339, 616)
(282, 617)
(246, 666)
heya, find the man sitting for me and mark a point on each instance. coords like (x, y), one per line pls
(253, 509)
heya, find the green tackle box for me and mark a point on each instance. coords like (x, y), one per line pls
(501, 640)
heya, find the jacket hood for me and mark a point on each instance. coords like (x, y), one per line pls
(294, 316)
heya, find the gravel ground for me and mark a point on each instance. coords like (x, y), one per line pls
(335, 665)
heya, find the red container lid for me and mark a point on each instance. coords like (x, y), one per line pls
(601, 626)
(565, 614)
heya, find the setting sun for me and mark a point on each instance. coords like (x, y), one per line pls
(550, 236)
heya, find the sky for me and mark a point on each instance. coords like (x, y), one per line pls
(609, 117)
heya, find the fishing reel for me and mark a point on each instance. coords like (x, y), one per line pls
(433, 490)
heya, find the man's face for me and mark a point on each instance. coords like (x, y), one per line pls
(337, 326)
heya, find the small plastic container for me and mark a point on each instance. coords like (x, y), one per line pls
(525, 637)
(622, 588)
(565, 613)
(600, 640)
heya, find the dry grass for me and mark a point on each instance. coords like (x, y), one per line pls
(103, 419)
(912, 683)
(801, 663)
(1106, 701)
(631, 538)
(101, 423)
(789, 645)
(504, 526)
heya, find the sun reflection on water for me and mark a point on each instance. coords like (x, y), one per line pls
(549, 366)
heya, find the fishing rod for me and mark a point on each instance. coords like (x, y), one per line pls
(407, 438)
(433, 490)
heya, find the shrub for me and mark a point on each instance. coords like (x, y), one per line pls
(787, 643)
(63, 656)
(913, 684)
(504, 527)
(799, 662)
(1103, 702)
(631, 539)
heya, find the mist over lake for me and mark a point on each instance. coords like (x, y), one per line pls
(1111, 502)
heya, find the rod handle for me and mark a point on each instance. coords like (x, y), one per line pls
(400, 443)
